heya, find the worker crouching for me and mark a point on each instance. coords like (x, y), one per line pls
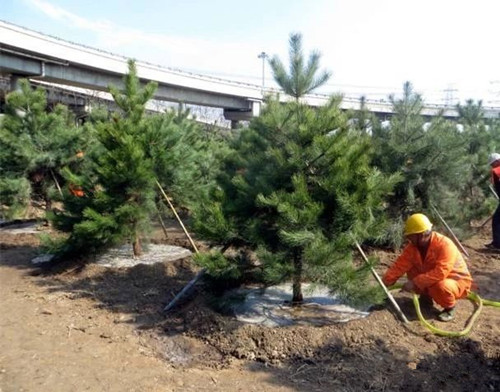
(434, 266)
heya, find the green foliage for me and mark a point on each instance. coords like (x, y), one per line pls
(301, 78)
(35, 143)
(52, 245)
(14, 196)
(119, 185)
(217, 265)
(295, 188)
(481, 137)
(186, 158)
(128, 151)
(443, 164)
(431, 157)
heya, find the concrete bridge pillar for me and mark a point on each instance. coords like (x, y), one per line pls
(234, 124)
(14, 82)
(236, 115)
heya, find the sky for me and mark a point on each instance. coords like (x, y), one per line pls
(447, 49)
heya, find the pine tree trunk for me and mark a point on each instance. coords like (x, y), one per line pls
(297, 279)
(48, 203)
(137, 247)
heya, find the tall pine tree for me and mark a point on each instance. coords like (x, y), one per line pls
(118, 173)
(295, 190)
(301, 78)
(119, 189)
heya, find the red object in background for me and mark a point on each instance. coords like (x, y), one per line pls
(76, 190)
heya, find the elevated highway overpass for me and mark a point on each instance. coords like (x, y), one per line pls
(25, 53)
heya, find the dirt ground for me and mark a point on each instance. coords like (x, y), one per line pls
(90, 328)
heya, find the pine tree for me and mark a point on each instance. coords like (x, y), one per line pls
(301, 78)
(295, 190)
(35, 143)
(120, 186)
(431, 157)
(479, 141)
(119, 171)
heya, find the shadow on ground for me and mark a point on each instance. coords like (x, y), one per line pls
(458, 365)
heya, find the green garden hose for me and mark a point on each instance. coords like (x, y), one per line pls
(472, 297)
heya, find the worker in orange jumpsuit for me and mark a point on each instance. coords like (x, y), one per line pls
(494, 161)
(76, 190)
(434, 266)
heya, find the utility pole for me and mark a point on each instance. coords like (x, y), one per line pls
(263, 56)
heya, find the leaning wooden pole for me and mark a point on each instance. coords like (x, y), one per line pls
(485, 222)
(493, 191)
(387, 292)
(177, 216)
(457, 242)
(56, 182)
(184, 290)
(200, 273)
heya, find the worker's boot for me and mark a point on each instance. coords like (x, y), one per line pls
(425, 302)
(493, 246)
(447, 315)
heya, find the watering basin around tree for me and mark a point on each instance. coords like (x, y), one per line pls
(271, 306)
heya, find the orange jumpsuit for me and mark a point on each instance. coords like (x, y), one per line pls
(443, 275)
(76, 190)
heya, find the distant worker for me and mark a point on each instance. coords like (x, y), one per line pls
(75, 190)
(494, 161)
(434, 266)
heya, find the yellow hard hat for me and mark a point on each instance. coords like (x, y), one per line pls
(416, 224)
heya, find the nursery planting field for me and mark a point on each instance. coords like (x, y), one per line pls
(91, 328)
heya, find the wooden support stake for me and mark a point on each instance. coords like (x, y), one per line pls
(387, 292)
(457, 242)
(493, 191)
(57, 183)
(200, 273)
(184, 290)
(177, 216)
(484, 223)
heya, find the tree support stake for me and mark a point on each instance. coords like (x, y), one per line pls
(387, 292)
(200, 273)
(177, 216)
(457, 242)
(56, 182)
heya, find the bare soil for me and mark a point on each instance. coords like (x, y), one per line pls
(89, 328)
